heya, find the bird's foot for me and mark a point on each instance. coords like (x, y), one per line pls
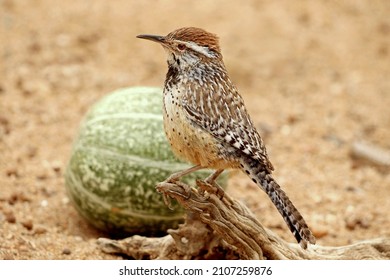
(169, 188)
(211, 187)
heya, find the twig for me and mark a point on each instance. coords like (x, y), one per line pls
(371, 153)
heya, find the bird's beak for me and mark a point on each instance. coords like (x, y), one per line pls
(154, 38)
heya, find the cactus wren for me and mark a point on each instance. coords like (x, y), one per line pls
(206, 121)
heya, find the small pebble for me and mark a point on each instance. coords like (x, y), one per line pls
(56, 166)
(319, 232)
(353, 221)
(31, 152)
(292, 119)
(12, 172)
(13, 198)
(42, 176)
(285, 130)
(65, 200)
(10, 217)
(66, 251)
(351, 189)
(9, 236)
(28, 224)
(40, 230)
(4, 123)
(44, 203)
(78, 238)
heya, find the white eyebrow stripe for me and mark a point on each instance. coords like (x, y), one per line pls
(203, 50)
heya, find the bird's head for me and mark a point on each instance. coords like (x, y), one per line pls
(188, 46)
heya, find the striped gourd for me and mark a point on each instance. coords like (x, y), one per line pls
(118, 157)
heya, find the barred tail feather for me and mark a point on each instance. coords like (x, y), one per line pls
(294, 220)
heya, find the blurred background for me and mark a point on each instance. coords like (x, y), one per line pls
(315, 76)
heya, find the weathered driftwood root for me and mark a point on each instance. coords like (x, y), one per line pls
(226, 229)
(192, 240)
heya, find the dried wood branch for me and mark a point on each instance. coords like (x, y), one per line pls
(226, 229)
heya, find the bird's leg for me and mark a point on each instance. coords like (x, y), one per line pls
(172, 181)
(211, 179)
(210, 184)
(176, 176)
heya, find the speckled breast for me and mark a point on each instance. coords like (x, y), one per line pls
(189, 142)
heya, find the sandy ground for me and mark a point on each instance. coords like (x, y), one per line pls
(315, 76)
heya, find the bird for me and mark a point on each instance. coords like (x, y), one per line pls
(207, 123)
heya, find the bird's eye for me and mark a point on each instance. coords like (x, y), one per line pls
(181, 47)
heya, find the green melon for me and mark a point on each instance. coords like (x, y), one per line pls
(120, 154)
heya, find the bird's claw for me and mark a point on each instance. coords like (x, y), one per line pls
(210, 186)
(168, 188)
